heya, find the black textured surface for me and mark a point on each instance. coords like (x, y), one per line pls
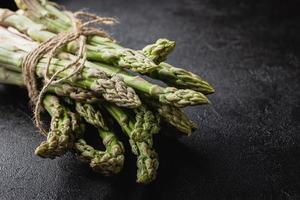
(248, 143)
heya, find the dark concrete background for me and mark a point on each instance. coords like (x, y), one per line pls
(248, 143)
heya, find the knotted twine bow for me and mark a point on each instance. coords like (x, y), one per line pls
(50, 48)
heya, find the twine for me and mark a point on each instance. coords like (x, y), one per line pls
(50, 48)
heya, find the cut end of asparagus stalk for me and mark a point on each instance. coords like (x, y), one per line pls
(10, 77)
(159, 51)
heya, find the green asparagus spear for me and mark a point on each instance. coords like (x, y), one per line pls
(181, 78)
(174, 116)
(147, 161)
(105, 162)
(91, 115)
(146, 124)
(75, 93)
(159, 51)
(65, 128)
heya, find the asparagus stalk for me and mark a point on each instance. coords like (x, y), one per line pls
(168, 95)
(42, 12)
(126, 58)
(174, 116)
(105, 162)
(147, 162)
(181, 78)
(15, 78)
(65, 128)
(112, 89)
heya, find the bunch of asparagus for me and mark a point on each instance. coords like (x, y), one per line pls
(103, 93)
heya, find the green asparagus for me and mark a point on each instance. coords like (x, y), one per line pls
(65, 128)
(105, 162)
(147, 162)
(59, 22)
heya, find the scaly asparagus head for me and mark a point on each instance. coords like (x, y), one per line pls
(75, 93)
(159, 51)
(147, 161)
(146, 124)
(167, 73)
(172, 115)
(105, 162)
(182, 98)
(65, 128)
(91, 115)
(171, 75)
(181, 78)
